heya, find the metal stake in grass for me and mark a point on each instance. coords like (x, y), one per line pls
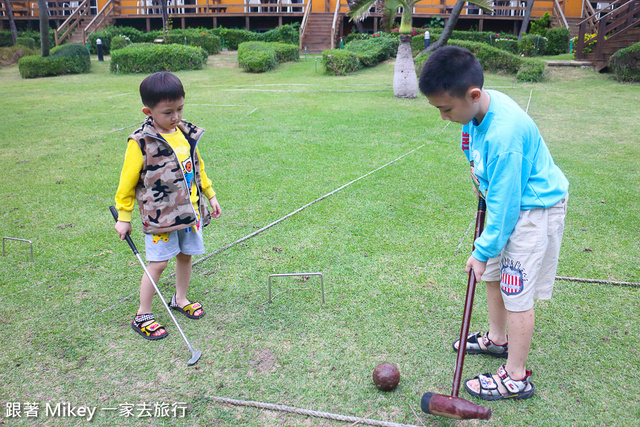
(18, 240)
(195, 354)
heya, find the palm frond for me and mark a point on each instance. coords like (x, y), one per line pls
(482, 4)
(360, 9)
(389, 12)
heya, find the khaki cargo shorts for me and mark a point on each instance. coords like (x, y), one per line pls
(526, 267)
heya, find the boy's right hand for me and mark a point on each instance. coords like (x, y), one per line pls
(123, 229)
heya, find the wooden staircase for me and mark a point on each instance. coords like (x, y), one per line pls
(616, 30)
(317, 35)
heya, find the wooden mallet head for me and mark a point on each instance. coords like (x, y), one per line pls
(453, 407)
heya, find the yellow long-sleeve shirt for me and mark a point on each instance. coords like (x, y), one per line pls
(133, 163)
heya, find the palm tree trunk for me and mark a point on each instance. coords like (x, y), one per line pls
(12, 22)
(43, 13)
(358, 23)
(405, 81)
(165, 16)
(525, 20)
(448, 27)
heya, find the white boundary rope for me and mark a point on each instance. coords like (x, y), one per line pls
(308, 412)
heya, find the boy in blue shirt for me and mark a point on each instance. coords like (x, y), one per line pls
(526, 195)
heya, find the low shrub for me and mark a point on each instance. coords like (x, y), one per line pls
(256, 57)
(65, 59)
(285, 52)
(12, 54)
(340, 62)
(374, 50)
(232, 38)
(106, 34)
(118, 42)
(492, 59)
(532, 45)
(625, 63)
(532, 70)
(150, 58)
(193, 37)
(26, 42)
(508, 45)
(289, 34)
(557, 41)
(504, 41)
(6, 39)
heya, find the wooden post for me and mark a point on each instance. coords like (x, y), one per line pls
(580, 46)
(280, 20)
(215, 22)
(182, 23)
(246, 22)
(148, 24)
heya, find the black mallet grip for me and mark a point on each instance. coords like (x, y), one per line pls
(114, 212)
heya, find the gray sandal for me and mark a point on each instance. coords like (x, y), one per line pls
(516, 389)
(491, 349)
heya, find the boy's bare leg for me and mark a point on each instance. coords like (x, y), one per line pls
(147, 291)
(521, 326)
(498, 315)
(183, 278)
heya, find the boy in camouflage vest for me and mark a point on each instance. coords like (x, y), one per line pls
(163, 171)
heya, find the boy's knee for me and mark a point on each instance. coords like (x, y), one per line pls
(158, 265)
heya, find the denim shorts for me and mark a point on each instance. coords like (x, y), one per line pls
(164, 246)
(526, 267)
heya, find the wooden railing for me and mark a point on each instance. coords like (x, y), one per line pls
(71, 23)
(303, 25)
(108, 10)
(558, 14)
(625, 15)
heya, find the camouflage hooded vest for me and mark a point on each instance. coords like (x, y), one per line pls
(163, 197)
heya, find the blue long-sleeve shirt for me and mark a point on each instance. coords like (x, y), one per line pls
(514, 168)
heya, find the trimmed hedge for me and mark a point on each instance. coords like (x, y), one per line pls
(27, 42)
(505, 41)
(340, 62)
(532, 45)
(106, 34)
(259, 57)
(118, 42)
(150, 58)
(201, 38)
(65, 59)
(557, 41)
(374, 50)
(497, 61)
(12, 54)
(285, 52)
(6, 39)
(256, 57)
(625, 63)
(532, 70)
(233, 37)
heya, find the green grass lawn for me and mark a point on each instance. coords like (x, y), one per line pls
(392, 248)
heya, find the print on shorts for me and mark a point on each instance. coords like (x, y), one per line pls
(164, 237)
(512, 277)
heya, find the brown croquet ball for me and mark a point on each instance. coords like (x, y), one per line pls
(386, 376)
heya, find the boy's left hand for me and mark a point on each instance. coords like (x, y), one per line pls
(216, 211)
(477, 266)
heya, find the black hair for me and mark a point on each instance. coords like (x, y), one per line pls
(158, 87)
(452, 70)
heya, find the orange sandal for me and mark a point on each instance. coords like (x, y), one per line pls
(147, 330)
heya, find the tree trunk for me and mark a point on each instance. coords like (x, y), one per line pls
(448, 27)
(12, 22)
(165, 16)
(525, 20)
(405, 81)
(43, 13)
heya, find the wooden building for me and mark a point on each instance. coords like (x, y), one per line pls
(323, 22)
